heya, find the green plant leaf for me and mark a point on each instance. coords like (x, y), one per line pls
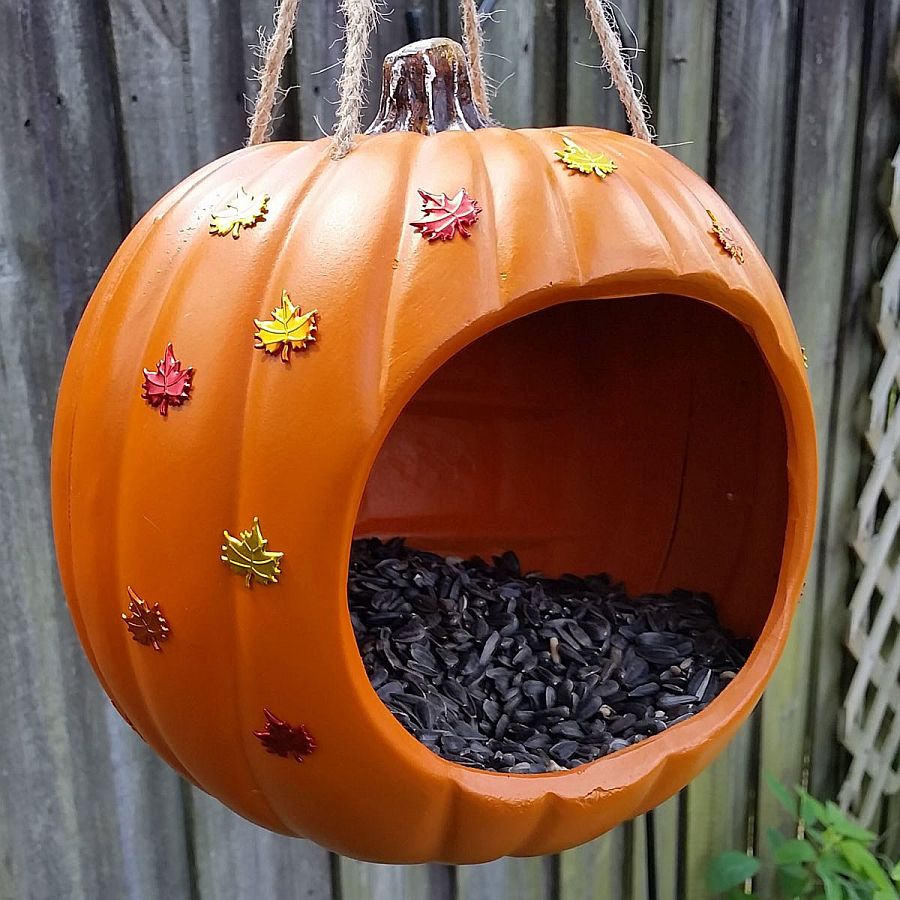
(838, 820)
(810, 808)
(830, 883)
(782, 794)
(729, 870)
(795, 851)
(862, 861)
(895, 872)
(775, 838)
(793, 880)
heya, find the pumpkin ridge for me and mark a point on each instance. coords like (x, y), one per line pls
(410, 159)
(535, 140)
(180, 273)
(297, 207)
(700, 224)
(152, 219)
(661, 206)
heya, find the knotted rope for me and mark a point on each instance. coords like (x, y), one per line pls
(359, 18)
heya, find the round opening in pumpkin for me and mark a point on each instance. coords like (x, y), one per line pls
(640, 437)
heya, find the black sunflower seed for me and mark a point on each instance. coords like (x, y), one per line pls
(519, 673)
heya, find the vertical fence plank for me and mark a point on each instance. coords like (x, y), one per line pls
(368, 881)
(829, 73)
(751, 144)
(590, 98)
(87, 811)
(507, 878)
(181, 76)
(683, 39)
(878, 134)
(749, 173)
(236, 859)
(667, 850)
(594, 871)
(521, 59)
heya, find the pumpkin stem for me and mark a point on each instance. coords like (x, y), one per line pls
(426, 88)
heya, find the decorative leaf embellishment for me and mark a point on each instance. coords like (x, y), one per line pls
(242, 211)
(444, 217)
(168, 385)
(576, 157)
(282, 739)
(288, 330)
(726, 238)
(247, 555)
(148, 626)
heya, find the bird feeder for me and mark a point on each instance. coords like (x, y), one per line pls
(558, 340)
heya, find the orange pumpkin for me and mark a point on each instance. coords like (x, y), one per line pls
(601, 377)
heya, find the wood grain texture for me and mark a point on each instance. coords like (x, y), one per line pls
(520, 62)
(752, 150)
(682, 66)
(180, 68)
(235, 859)
(591, 99)
(368, 881)
(868, 246)
(87, 811)
(527, 879)
(594, 871)
(100, 121)
(819, 227)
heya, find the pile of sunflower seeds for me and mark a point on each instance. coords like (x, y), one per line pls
(518, 673)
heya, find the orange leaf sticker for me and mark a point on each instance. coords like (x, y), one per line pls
(726, 238)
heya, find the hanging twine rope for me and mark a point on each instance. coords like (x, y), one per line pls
(273, 52)
(359, 18)
(636, 109)
(473, 41)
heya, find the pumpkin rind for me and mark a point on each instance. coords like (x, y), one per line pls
(337, 233)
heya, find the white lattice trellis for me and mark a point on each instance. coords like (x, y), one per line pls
(871, 721)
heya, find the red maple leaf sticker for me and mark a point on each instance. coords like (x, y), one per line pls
(168, 385)
(283, 739)
(445, 217)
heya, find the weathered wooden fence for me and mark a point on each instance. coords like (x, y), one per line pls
(785, 106)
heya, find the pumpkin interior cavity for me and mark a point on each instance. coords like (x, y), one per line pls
(642, 437)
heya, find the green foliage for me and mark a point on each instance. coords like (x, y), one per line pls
(835, 859)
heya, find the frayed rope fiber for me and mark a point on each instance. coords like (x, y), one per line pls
(273, 53)
(473, 41)
(360, 17)
(604, 23)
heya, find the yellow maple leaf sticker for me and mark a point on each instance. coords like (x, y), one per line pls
(243, 210)
(289, 329)
(247, 555)
(576, 157)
